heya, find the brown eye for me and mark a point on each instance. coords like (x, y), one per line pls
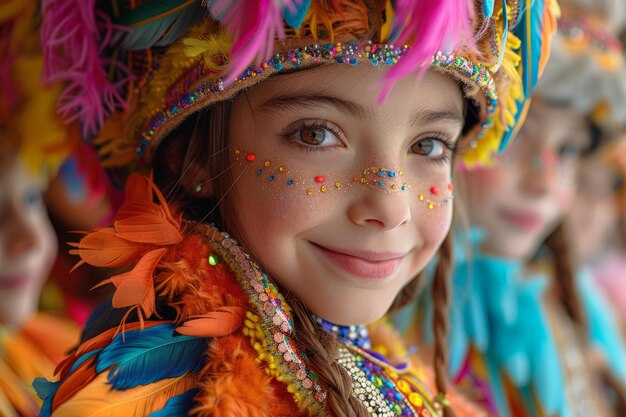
(431, 148)
(314, 136)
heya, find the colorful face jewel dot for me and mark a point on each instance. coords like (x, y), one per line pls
(271, 177)
(431, 205)
(404, 187)
(421, 197)
(391, 174)
(237, 151)
(309, 191)
(450, 187)
(337, 185)
(259, 171)
(434, 190)
(394, 186)
(282, 169)
(355, 179)
(319, 178)
(363, 180)
(401, 173)
(214, 259)
(250, 157)
(323, 188)
(267, 163)
(289, 182)
(379, 183)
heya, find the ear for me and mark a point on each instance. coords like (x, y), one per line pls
(196, 179)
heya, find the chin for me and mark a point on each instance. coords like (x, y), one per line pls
(353, 311)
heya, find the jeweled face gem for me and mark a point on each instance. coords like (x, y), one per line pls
(382, 179)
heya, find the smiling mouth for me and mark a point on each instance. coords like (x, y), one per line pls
(363, 264)
(15, 281)
(523, 220)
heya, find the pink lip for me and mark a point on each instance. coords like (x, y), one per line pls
(364, 264)
(523, 220)
(15, 281)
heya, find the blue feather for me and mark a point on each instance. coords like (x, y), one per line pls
(488, 8)
(45, 390)
(529, 30)
(295, 17)
(83, 359)
(178, 406)
(144, 356)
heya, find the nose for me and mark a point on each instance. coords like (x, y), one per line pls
(541, 173)
(386, 211)
(21, 236)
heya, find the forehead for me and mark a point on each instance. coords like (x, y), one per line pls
(552, 124)
(362, 85)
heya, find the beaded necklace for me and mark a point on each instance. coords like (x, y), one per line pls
(355, 334)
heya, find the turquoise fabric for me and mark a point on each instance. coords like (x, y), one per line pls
(499, 311)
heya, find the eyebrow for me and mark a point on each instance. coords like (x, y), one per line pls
(312, 101)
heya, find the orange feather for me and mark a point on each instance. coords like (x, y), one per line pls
(220, 322)
(81, 377)
(104, 248)
(98, 400)
(234, 384)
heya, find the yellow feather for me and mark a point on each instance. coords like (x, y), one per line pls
(98, 400)
(215, 50)
(19, 394)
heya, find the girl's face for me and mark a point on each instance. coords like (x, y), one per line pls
(594, 216)
(27, 244)
(520, 200)
(344, 201)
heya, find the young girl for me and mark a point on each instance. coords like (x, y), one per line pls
(522, 330)
(31, 343)
(333, 182)
(596, 223)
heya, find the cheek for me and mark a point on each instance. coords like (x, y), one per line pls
(482, 189)
(564, 198)
(279, 202)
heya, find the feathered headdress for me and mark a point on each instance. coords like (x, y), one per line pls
(135, 70)
(26, 107)
(587, 69)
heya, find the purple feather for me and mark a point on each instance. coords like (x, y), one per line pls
(74, 35)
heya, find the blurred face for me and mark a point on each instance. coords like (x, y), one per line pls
(27, 243)
(594, 213)
(342, 200)
(520, 200)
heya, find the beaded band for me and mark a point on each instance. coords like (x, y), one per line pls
(196, 92)
(274, 319)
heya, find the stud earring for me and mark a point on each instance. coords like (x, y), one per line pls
(198, 188)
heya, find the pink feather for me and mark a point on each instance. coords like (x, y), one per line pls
(430, 26)
(255, 26)
(74, 35)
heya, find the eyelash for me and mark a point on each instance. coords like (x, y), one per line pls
(289, 132)
(447, 143)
